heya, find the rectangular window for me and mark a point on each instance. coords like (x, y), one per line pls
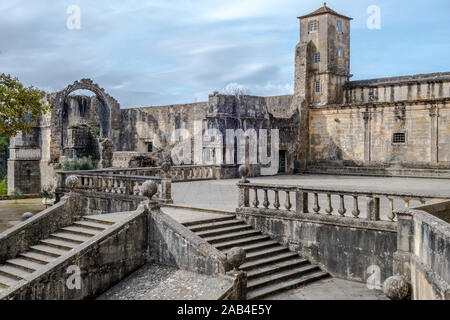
(339, 26)
(317, 86)
(399, 138)
(150, 147)
(341, 53)
(313, 25)
(317, 57)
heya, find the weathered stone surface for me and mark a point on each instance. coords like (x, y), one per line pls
(396, 288)
(26, 216)
(236, 257)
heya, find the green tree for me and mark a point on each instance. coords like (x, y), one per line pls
(20, 107)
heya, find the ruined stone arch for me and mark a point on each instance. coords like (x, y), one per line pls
(59, 107)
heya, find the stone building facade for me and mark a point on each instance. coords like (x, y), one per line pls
(388, 126)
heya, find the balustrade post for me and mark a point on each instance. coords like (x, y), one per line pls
(244, 195)
(276, 204)
(301, 202)
(288, 204)
(316, 207)
(256, 200)
(356, 210)
(342, 209)
(266, 202)
(391, 214)
(329, 208)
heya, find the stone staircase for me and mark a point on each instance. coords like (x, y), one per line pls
(270, 267)
(47, 250)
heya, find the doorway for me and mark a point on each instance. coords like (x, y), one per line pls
(282, 162)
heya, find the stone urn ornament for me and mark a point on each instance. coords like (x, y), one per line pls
(244, 171)
(149, 189)
(396, 288)
(236, 257)
(72, 182)
(26, 216)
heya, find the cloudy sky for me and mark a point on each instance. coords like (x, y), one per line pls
(157, 52)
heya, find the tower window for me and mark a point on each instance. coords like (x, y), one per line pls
(317, 86)
(317, 57)
(313, 25)
(341, 53)
(399, 138)
(150, 147)
(339, 26)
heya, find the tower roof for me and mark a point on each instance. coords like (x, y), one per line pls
(324, 10)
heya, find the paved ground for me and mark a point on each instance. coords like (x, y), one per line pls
(185, 215)
(331, 289)
(157, 282)
(11, 211)
(223, 194)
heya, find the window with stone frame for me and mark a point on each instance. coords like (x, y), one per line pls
(317, 88)
(317, 57)
(339, 26)
(149, 146)
(340, 52)
(399, 138)
(313, 25)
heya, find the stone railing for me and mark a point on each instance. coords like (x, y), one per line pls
(326, 201)
(128, 185)
(176, 173)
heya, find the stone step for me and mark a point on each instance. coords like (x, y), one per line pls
(90, 225)
(37, 257)
(82, 231)
(49, 251)
(260, 245)
(266, 261)
(241, 242)
(275, 267)
(215, 225)
(199, 222)
(99, 221)
(13, 272)
(69, 237)
(232, 236)
(6, 282)
(59, 244)
(225, 230)
(24, 264)
(285, 285)
(280, 276)
(266, 253)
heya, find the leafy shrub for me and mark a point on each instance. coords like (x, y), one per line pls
(3, 187)
(47, 192)
(84, 163)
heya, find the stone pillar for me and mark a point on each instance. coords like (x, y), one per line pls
(434, 134)
(166, 190)
(301, 200)
(244, 196)
(405, 236)
(373, 209)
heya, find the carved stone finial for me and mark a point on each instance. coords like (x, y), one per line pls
(236, 257)
(72, 182)
(149, 189)
(26, 216)
(396, 288)
(244, 171)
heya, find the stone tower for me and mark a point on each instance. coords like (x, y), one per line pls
(322, 67)
(323, 57)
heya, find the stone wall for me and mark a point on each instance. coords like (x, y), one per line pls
(171, 243)
(344, 247)
(104, 260)
(363, 136)
(20, 237)
(423, 254)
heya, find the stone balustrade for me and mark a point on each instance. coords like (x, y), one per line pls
(176, 173)
(120, 184)
(339, 202)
